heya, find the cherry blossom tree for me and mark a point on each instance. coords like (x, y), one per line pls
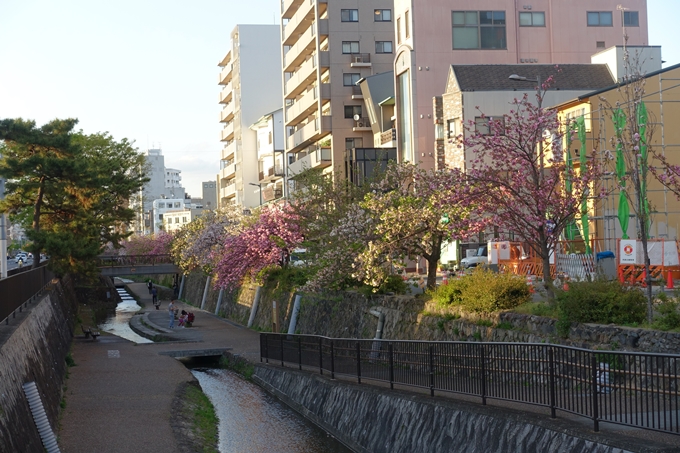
(257, 245)
(522, 171)
(157, 244)
(415, 211)
(197, 244)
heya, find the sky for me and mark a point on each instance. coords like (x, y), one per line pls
(146, 70)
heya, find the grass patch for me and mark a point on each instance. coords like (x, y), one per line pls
(504, 325)
(200, 420)
(484, 322)
(536, 309)
(238, 365)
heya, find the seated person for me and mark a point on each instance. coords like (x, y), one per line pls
(182, 319)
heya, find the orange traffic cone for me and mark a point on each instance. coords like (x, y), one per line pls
(669, 282)
(622, 279)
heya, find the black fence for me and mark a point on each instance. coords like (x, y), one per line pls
(18, 289)
(632, 389)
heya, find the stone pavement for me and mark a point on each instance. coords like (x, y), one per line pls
(119, 395)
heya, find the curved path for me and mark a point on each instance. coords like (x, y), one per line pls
(119, 395)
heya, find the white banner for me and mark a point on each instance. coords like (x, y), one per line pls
(627, 251)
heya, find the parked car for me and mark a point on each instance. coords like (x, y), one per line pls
(21, 257)
(480, 257)
(298, 257)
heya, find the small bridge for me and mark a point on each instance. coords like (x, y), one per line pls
(116, 265)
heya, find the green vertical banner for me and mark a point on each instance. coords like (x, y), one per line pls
(623, 212)
(570, 228)
(642, 159)
(581, 129)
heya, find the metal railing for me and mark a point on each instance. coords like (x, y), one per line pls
(132, 260)
(21, 288)
(633, 389)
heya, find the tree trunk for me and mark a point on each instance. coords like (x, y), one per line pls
(37, 207)
(432, 261)
(547, 278)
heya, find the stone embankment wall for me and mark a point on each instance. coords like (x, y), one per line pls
(372, 420)
(34, 346)
(348, 315)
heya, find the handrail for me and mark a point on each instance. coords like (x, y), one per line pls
(635, 389)
(133, 260)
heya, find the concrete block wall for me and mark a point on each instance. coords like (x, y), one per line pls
(34, 349)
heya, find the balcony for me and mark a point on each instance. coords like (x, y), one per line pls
(360, 60)
(356, 93)
(361, 125)
(308, 133)
(290, 7)
(303, 46)
(271, 173)
(303, 106)
(228, 132)
(388, 139)
(319, 158)
(226, 94)
(228, 171)
(227, 113)
(226, 73)
(303, 17)
(300, 79)
(229, 190)
(228, 150)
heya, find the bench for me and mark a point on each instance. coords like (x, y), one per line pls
(89, 332)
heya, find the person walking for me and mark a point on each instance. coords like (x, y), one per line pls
(149, 285)
(154, 297)
(171, 310)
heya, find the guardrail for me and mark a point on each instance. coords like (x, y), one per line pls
(20, 289)
(633, 389)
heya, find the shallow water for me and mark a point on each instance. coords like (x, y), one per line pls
(252, 421)
(119, 323)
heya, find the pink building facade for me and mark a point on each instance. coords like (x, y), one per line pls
(431, 35)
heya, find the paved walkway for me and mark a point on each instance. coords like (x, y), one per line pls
(119, 395)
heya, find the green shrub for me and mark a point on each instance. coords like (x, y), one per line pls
(484, 322)
(505, 325)
(668, 318)
(394, 284)
(483, 291)
(602, 302)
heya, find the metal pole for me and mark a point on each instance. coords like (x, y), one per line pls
(3, 234)
(596, 415)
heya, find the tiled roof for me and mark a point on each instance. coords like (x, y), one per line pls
(495, 77)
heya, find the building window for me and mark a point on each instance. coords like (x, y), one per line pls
(407, 29)
(484, 126)
(599, 44)
(383, 15)
(631, 19)
(350, 79)
(350, 47)
(161, 205)
(354, 142)
(398, 30)
(383, 47)
(533, 19)
(349, 15)
(351, 110)
(176, 219)
(451, 131)
(600, 19)
(478, 29)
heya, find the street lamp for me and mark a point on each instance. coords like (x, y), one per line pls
(541, 92)
(259, 184)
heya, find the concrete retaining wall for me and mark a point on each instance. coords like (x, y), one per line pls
(374, 420)
(347, 315)
(33, 348)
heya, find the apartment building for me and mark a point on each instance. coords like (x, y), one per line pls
(270, 156)
(163, 183)
(251, 86)
(431, 35)
(327, 47)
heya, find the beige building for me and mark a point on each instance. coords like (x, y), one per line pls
(251, 86)
(431, 35)
(327, 47)
(662, 100)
